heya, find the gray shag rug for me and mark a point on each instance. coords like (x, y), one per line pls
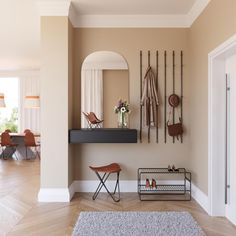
(136, 224)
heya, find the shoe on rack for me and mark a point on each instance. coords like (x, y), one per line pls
(174, 169)
(147, 183)
(154, 184)
(169, 168)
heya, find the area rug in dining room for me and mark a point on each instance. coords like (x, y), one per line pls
(136, 224)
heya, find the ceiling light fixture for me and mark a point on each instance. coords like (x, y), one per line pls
(32, 101)
(2, 101)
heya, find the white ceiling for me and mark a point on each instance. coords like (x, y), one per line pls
(20, 23)
(133, 7)
(19, 34)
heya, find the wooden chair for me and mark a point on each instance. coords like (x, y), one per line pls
(6, 142)
(93, 121)
(37, 141)
(29, 140)
(107, 170)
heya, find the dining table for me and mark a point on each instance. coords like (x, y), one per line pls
(20, 149)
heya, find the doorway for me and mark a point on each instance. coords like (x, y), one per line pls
(9, 115)
(230, 177)
(222, 130)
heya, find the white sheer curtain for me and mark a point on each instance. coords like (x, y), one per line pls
(91, 93)
(29, 118)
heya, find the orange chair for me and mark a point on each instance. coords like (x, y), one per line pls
(6, 142)
(27, 130)
(30, 143)
(8, 131)
(103, 172)
(93, 121)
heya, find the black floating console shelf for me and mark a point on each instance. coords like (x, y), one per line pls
(103, 135)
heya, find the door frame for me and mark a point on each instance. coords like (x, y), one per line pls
(216, 125)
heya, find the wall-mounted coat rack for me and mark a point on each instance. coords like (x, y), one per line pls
(149, 96)
(169, 84)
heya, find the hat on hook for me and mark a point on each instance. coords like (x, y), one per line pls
(174, 100)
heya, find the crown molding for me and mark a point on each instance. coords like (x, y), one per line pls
(139, 21)
(128, 21)
(196, 11)
(57, 8)
(53, 7)
(66, 8)
(73, 15)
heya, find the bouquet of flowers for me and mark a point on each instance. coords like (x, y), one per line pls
(122, 106)
(122, 110)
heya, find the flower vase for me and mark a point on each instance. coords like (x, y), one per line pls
(122, 120)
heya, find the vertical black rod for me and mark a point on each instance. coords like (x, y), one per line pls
(173, 113)
(148, 58)
(182, 89)
(141, 88)
(226, 138)
(157, 75)
(149, 125)
(165, 96)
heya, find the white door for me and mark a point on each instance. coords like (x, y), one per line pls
(231, 144)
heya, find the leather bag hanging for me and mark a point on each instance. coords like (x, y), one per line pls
(175, 130)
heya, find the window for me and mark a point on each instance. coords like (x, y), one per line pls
(9, 115)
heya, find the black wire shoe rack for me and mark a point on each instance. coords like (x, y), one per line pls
(170, 184)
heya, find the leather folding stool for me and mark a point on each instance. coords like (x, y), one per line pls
(103, 172)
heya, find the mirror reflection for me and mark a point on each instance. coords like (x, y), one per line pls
(104, 81)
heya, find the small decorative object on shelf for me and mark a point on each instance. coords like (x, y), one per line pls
(122, 110)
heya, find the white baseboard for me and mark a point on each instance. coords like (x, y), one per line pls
(85, 186)
(200, 197)
(65, 194)
(55, 194)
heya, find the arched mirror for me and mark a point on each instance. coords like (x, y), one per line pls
(104, 81)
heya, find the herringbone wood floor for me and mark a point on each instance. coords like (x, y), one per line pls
(21, 214)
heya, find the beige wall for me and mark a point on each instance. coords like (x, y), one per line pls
(54, 102)
(215, 25)
(128, 42)
(70, 99)
(115, 87)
